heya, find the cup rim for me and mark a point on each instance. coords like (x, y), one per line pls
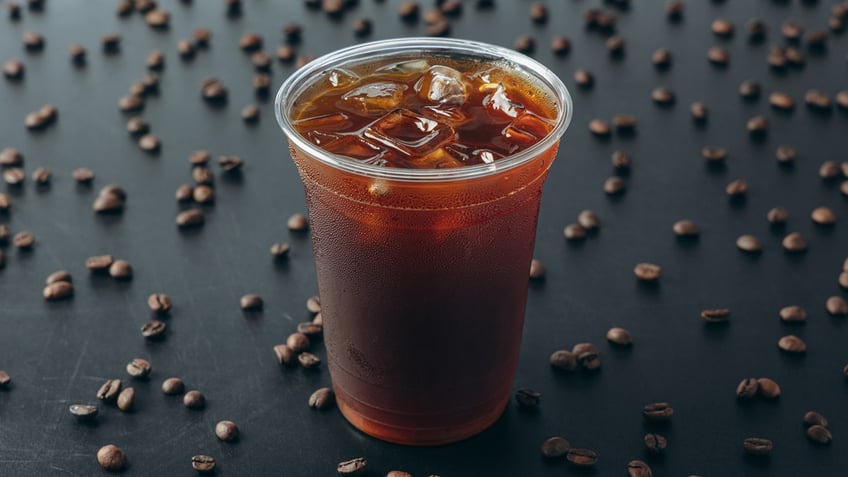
(301, 78)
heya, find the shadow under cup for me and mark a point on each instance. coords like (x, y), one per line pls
(423, 273)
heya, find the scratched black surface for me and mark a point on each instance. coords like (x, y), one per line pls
(59, 353)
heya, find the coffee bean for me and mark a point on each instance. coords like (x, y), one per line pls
(584, 78)
(153, 329)
(844, 168)
(285, 355)
(280, 250)
(699, 111)
(173, 386)
(768, 388)
(121, 270)
(718, 56)
(785, 154)
(83, 411)
(574, 232)
(655, 443)
(749, 90)
(111, 43)
(212, 90)
(817, 100)
(250, 113)
(41, 176)
(812, 418)
(792, 344)
(144, 6)
(647, 272)
(14, 11)
(749, 243)
(624, 122)
(194, 400)
(842, 99)
(661, 58)
(823, 216)
(262, 81)
(111, 458)
(537, 270)
(251, 302)
(793, 314)
(716, 315)
(318, 319)
(637, 468)
(4, 234)
(658, 411)
(619, 336)
(837, 306)
(309, 328)
(792, 31)
(202, 194)
(794, 243)
(674, 9)
(539, 13)
(352, 467)
(125, 399)
(819, 434)
(13, 69)
(313, 304)
(203, 463)
(33, 41)
(621, 160)
(58, 291)
(555, 447)
(158, 18)
(185, 49)
(817, 40)
(149, 143)
(560, 45)
(663, 96)
(777, 215)
(525, 44)
(756, 29)
(139, 368)
(843, 280)
(794, 57)
(581, 457)
(190, 218)
(99, 263)
(59, 276)
(297, 342)
(201, 37)
(14, 176)
(227, 431)
(722, 27)
(686, 229)
(528, 398)
(829, 170)
(713, 153)
(82, 175)
(615, 46)
(109, 390)
(155, 60)
(159, 303)
(757, 446)
(11, 157)
(131, 103)
(308, 360)
(321, 399)
(757, 126)
(5, 379)
(747, 388)
(108, 203)
(23, 240)
(202, 175)
(399, 473)
(230, 163)
(563, 359)
(614, 185)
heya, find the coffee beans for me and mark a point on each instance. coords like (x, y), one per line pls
(599, 128)
(58, 276)
(699, 112)
(157, 18)
(537, 270)
(777, 215)
(308, 360)
(5, 379)
(82, 175)
(194, 400)
(792, 344)
(614, 185)
(561, 45)
(749, 243)
(757, 446)
(785, 154)
(83, 411)
(624, 123)
(615, 45)
(736, 189)
(213, 91)
(817, 100)
(686, 229)
(574, 232)
(781, 101)
(714, 154)
(251, 302)
(203, 463)
(11, 157)
(588, 220)
(227, 431)
(297, 223)
(191, 218)
(99, 263)
(285, 355)
(111, 458)
(812, 418)
(14, 176)
(768, 388)
(564, 360)
(793, 314)
(280, 250)
(159, 303)
(581, 457)
(153, 329)
(33, 41)
(121, 270)
(823, 216)
(321, 399)
(139, 368)
(658, 411)
(125, 399)
(528, 398)
(637, 468)
(716, 315)
(718, 56)
(722, 27)
(663, 96)
(297, 342)
(555, 447)
(648, 272)
(13, 69)
(230, 163)
(655, 443)
(794, 243)
(109, 390)
(819, 434)
(313, 304)
(58, 290)
(111, 199)
(747, 389)
(829, 170)
(837, 306)
(352, 467)
(584, 78)
(661, 58)
(619, 336)
(173, 386)
(525, 44)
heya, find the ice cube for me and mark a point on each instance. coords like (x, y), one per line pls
(341, 78)
(440, 158)
(447, 115)
(442, 85)
(320, 138)
(409, 133)
(486, 156)
(373, 99)
(498, 100)
(527, 129)
(325, 122)
(405, 67)
(353, 146)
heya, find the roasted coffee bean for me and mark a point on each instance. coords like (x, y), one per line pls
(655, 443)
(794, 242)
(581, 457)
(686, 229)
(285, 355)
(539, 13)
(297, 342)
(836, 24)
(139, 368)
(525, 44)
(749, 89)
(280, 250)
(230, 163)
(777, 215)
(749, 243)
(158, 18)
(699, 111)
(111, 458)
(555, 447)
(33, 41)
(588, 220)
(658, 411)
(83, 175)
(812, 418)
(131, 103)
(621, 160)
(318, 319)
(624, 122)
(817, 40)
(574, 232)
(823, 216)
(785, 154)
(757, 446)
(14, 11)
(173, 386)
(747, 388)
(842, 99)
(14, 176)
(213, 90)
(737, 188)
(647, 272)
(757, 126)
(203, 194)
(261, 61)
(637, 468)
(792, 344)
(194, 400)
(203, 463)
(793, 314)
(581, 348)
(199, 158)
(308, 360)
(792, 31)
(756, 29)
(716, 315)
(362, 26)
(615, 46)
(124, 8)
(297, 223)
(109, 390)
(819, 434)
(153, 329)
(352, 467)
(438, 29)
(563, 359)
(125, 399)
(722, 27)
(227, 431)
(537, 270)
(159, 303)
(768, 388)
(13, 69)
(111, 43)
(202, 175)
(321, 399)
(674, 9)
(41, 176)
(83, 411)
(201, 37)
(713, 153)
(829, 170)
(155, 60)
(250, 113)
(185, 49)
(661, 58)
(121, 270)
(11, 157)
(333, 8)
(794, 57)
(584, 78)
(614, 185)
(144, 6)
(718, 56)
(836, 306)
(190, 218)
(309, 328)
(560, 45)
(400, 473)
(23, 240)
(619, 336)
(4, 232)
(663, 96)
(77, 53)
(286, 53)
(35, 121)
(251, 302)
(843, 280)
(59, 276)
(58, 291)
(262, 81)
(528, 398)
(149, 143)
(817, 100)
(313, 304)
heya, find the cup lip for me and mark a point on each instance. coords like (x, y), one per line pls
(295, 83)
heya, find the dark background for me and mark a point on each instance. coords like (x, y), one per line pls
(60, 353)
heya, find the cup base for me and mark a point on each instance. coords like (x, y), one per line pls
(419, 436)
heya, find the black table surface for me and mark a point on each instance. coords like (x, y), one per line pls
(59, 353)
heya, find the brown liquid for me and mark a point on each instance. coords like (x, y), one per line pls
(423, 285)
